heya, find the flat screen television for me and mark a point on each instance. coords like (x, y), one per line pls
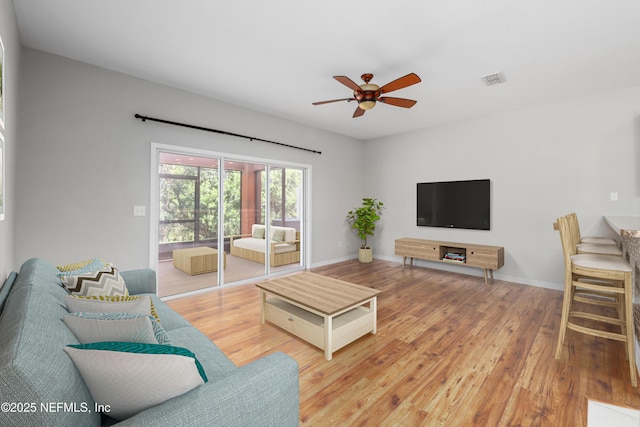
(455, 204)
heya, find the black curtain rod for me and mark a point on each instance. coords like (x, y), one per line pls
(145, 118)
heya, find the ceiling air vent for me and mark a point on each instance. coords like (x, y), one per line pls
(494, 79)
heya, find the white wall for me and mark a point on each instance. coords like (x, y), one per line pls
(12, 54)
(543, 162)
(84, 161)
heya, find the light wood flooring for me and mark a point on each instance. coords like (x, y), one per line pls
(450, 351)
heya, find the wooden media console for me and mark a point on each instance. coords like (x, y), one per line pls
(488, 258)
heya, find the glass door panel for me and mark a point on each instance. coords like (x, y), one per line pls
(286, 203)
(188, 223)
(244, 227)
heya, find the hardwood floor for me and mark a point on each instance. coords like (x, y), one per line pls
(450, 351)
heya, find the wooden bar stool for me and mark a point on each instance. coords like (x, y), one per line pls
(605, 248)
(599, 280)
(597, 240)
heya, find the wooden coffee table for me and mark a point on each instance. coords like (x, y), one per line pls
(326, 312)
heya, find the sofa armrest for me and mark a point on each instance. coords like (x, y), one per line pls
(295, 242)
(238, 236)
(263, 393)
(141, 281)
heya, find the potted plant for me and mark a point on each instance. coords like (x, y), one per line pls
(364, 219)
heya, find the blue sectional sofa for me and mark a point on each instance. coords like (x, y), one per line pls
(40, 385)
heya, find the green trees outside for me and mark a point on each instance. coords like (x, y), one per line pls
(189, 201)
(287, 195)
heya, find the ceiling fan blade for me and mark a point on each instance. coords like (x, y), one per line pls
(359, 111)
(347, 82)
(333, 100)
(402, 82)
(398, 102)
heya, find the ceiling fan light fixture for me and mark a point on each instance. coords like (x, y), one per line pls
(367, 105)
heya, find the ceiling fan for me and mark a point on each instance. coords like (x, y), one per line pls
(368, 94)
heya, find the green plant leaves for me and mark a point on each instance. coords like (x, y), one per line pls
(364, 218)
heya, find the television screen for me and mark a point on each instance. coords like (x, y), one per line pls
(455, 204)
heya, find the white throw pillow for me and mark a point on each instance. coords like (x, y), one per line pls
(128, 378)
(128, 327)
(138, 304)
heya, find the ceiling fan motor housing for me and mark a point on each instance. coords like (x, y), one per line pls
(367, 95)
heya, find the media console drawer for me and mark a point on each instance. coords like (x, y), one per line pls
(417, 249)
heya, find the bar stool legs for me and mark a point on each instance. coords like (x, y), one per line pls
(598, 280)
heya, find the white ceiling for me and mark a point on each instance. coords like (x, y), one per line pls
(279, 56)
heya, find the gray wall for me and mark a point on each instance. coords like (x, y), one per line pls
(84, 161)
(544, 162)
(12, 53)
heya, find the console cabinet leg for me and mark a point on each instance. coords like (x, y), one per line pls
(486, 281)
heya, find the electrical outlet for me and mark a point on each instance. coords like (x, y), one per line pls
(614, 196)
(139, 211)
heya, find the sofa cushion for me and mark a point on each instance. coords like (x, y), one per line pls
(170, 319)
(258, 245)
(258, 233)
(131, 377)
(278, 235)
(289, 233)
(215, 363)
(105, 281)
(93, 327)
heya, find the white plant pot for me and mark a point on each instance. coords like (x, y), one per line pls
(365, 254)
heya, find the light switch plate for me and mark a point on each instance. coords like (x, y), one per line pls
(139, 211)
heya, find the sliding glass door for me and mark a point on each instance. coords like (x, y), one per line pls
(188, 195)
(213, 225)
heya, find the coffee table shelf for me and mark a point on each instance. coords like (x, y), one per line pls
(309, 326)
(326, 312)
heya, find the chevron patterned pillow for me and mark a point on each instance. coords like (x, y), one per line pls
(107, 281)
